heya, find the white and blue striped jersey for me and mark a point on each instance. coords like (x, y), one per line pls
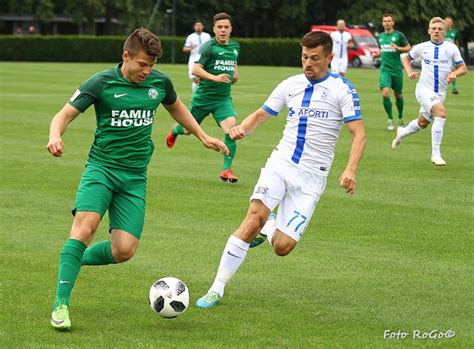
(316, 111)
(340, 42)
(436, 63)
(197, 40)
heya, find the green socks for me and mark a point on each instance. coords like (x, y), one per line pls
(70, 260)
(399, 103)
(178, 130)
(99, 254)
(387, 105)
(232, 145)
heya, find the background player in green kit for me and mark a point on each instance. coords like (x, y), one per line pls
(392, 43)
(452, 35)
(125, 99)
(217, 69)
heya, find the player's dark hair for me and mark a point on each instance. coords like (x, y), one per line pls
(143, 39)
(388, 15)
(198, 21)
(222, 15)
(318, 38)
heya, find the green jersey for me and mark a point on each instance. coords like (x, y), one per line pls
(452, 36)
(216, 59)
(391, 57)
(124, 116)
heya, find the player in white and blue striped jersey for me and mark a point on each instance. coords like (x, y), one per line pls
(294, 177)
(437, 58)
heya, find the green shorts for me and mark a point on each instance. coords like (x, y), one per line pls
(220, 110)
(393, 80)
(121, 192)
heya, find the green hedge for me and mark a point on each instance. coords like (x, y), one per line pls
(68, 48)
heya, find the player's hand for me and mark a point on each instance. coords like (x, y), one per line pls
(376, 53)
(347, 181)
(413, 75)
(55, 146)
(237, 132)
(222, 78)
(394, 46)
(451, 77)
(216, 144)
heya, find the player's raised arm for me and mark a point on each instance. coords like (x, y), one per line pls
(249, 124)
(57, 128)
(181, 114)
(347, 180)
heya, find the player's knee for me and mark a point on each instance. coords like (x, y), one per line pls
(282, 250)
(253, 223)
(398, 95)
(385, 93)
(122, 254)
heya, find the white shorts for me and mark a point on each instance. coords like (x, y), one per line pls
(427, 99)
(190, 70)
(339, 65)
(295, 191)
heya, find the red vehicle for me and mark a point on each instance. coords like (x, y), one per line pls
(364, 44)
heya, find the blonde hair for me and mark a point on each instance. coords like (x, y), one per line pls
(437, 20)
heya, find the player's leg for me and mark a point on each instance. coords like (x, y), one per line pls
(335, 65)
(438, 111)
(198, 113)
(225, 116)
(385, 85)
(397, 85)
(92, 200)
(126, 219)
(267, 194)
(70, 260)
(343, 66)
(235, 252)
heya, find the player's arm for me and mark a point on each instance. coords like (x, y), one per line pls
(460, 70)
(57, 128)
(357, 131)
(407, 66)
(236, 74)
(249, 124)
(181, 114)
(199, 71)
(402, 49)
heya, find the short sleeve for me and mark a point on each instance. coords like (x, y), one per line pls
(349, 103)
(457, 58)
(277, 99)
(415, 52)
(188, 42)
(205, 52)
(87, 93)
(403, 39)
(171, 95)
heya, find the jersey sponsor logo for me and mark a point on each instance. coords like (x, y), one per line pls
(387, 48)
(119, 95)
(261, 190)
(436, 61)
(311, 113)
(225, 65)
(153, 93)
(75, 95)
(128, 118)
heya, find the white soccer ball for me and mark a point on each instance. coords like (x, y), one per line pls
(169, 297)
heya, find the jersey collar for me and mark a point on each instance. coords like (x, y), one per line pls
(437, 43)
(313, 82)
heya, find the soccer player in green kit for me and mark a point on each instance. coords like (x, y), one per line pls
(216, 68)
(125, 99)
(392, 43)
(452, 35)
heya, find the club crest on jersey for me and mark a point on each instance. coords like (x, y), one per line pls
(153, 93)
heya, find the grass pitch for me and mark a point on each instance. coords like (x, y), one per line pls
(397, 256)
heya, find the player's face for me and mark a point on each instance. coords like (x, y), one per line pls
(222, 30)
(449, 23)
(198, 27)
(315, 62)
(341, 25)
(436, 31)
(388, 23)
(136, 68)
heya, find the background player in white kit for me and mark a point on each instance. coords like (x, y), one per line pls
(437, 58)
(341, 39)
(294, 176)
(191, 46)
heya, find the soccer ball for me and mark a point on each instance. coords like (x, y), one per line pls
(169, 297)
